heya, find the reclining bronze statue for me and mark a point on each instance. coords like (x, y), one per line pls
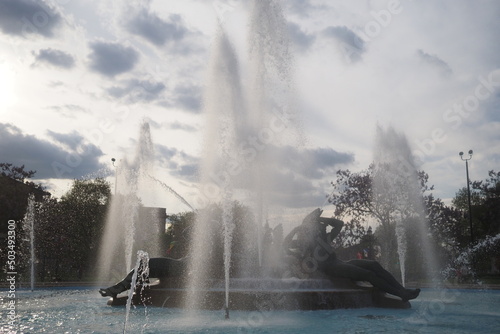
(159, 267)
(309, 243)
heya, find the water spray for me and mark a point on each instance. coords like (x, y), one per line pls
(141, 270)
(28, 225)
(172, 191)
(324, 203)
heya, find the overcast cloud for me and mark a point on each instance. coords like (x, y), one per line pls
(435, 61)
(187, 97)
(181, 126)
(73, 159)
(300, 38)
(135, 90)
(154, 29)
(348, 42)
(28, 17)
(54, 57)
(110, 58)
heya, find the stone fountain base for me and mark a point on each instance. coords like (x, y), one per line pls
(268, 294)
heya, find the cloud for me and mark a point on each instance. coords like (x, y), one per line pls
(300, 38)
(435, 61)
(292, 191)
(187, 97)
(179, 163)
(491, 108)
(295, 177)
(110, 59)
(47, 159)
(184, 96)
(135, 90)
(302, 7)
(302, 172)
(350, 44)
(313, 163)
(69, 140)
(28, 17)
(155, 29)
(294, 183)
(56, 58)
(181, 126)
(175, 125)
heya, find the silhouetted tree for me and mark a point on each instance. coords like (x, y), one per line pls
(68, 231)
(84, 207)
(354, 202)
(178, 234)
(352, 197)
(15, 190)
(244, 256)
(485, 202)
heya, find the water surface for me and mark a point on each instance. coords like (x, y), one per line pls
(85, 311)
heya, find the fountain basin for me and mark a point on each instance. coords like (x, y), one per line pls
(267, 294)
(82, 310)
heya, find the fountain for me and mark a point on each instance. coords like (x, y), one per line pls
(141, 273)
(250, 126)
(29, 228)
(236, 163)
(461, 267)
(129, 227)
(171, 191)
(246, 129)
(396, 191)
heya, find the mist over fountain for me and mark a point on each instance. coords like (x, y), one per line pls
(251, 128)
(245, 123)
(223, 102)
(124, 232)
(397, 193)
(464, 262)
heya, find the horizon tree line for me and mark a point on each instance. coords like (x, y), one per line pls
(68, 230)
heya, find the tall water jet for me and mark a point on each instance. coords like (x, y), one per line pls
(124, 234)
(397, 192)
(245, 133)
(223, 102)
(141, 274)
(29, 229)
(270, 118)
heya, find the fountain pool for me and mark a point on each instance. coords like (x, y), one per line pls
(81, 310)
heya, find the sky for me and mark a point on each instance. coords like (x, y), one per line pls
(78, 77)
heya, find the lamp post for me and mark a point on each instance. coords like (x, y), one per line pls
(468, 190)
(116, 177)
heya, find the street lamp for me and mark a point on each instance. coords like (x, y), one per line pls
(116, 177)
(468, 190)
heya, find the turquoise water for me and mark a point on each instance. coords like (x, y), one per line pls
(85, 311)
